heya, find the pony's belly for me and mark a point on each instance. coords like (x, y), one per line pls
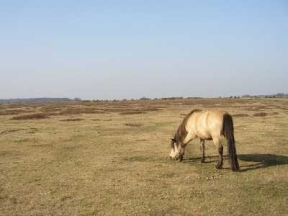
(205, 136)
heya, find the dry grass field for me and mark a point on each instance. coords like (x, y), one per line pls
(112, 158)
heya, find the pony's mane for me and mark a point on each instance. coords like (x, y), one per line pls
(181, 132)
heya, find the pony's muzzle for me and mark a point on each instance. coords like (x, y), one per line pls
(177, 158)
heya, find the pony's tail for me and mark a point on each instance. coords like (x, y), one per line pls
(228, 132)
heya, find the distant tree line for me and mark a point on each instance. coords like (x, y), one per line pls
(278, 95)
(59, 100)
(36, 100)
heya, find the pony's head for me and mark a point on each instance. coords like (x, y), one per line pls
(177, 150)
(177, 145)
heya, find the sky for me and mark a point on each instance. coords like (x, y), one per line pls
(128, 49)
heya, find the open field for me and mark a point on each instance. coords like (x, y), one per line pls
(112, 158)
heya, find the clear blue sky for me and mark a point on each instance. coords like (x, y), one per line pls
(131, 49)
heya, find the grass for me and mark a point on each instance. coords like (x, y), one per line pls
(102, 162)
(240, 115)
(133, 124)
(30, 116)
(72, 119)
(260, 114)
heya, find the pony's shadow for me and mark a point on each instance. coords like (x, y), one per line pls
(208, 159)
(262, 161)
(256, 161)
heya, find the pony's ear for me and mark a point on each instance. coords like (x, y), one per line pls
(173, 139)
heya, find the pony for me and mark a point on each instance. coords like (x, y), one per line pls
(206, 125)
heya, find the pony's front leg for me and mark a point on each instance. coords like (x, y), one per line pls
(202, 148)
(218, 144)
(182, 152)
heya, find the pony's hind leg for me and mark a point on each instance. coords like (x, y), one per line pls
(202, 148)
(218, 144)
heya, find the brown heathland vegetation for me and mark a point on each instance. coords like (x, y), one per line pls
(112, 158)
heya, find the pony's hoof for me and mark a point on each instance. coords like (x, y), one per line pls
(202, 161)
(236, 169)
(180, 158)
(219, 166)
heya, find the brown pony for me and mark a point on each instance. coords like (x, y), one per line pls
(206, 125)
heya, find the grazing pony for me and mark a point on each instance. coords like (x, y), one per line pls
(206, 125)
